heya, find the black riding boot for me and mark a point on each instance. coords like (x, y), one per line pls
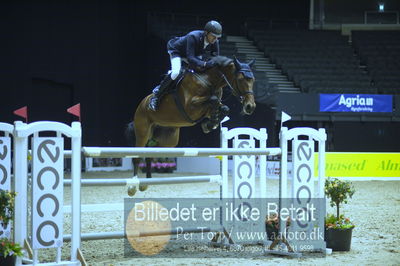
(159, 92)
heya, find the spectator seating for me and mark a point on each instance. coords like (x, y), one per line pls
(380, 52)
(316, 61)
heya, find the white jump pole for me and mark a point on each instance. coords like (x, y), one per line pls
(149, 181)
(76, 190)
(121, 234)
(21, 187)
(119, 152)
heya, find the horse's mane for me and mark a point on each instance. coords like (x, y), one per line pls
(221, 60)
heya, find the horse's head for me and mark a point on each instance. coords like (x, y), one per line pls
(243, 85)
(239, 77)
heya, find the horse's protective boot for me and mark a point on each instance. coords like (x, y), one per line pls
(159, 92)
(223, 111)
(207, 126)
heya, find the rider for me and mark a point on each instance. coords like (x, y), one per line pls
(193, 47)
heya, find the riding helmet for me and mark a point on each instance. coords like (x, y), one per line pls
(214, 27)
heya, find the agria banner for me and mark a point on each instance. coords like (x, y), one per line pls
(355, 103)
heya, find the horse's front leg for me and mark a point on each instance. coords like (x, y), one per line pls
(142, 134)
(199, 100)
(223, 111)
(212, 101)
(216, 116)
(214, 111)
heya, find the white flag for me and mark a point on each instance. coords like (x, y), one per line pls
(226, 118)
(285, 117)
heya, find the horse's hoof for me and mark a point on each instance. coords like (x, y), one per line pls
(214, 100)
(215, 126)
(223, 111)
(143, 187)
(132, 191)
(204, 127)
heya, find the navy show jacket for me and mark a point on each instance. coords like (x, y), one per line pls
(191, 46)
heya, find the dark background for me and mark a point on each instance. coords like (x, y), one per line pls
(104, 55)
(98, 53)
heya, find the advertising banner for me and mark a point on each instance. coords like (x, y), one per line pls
(348, 164)
(355, 103)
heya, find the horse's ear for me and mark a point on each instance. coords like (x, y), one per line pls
(237, 63)
(251, 63)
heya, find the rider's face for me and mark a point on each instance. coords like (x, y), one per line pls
(211, 38)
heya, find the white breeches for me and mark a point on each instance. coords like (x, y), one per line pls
(175, 67)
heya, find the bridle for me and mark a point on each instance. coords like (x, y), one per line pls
(244, 69)
(235, 89)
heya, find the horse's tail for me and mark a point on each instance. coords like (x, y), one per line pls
(130, 134)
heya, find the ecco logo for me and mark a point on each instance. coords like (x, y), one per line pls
(244, 177)
(5, 182)
(303, 152)
(47, 183)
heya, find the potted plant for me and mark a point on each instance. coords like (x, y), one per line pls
(338, 229)
(7, 200)
(8, 249)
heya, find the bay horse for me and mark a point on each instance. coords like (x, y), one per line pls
(197, 98)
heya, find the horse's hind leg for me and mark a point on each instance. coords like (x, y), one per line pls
(148, 167)
(142, 134)
(132, 189)
(135, 162)
(167, 136)
(148, 173)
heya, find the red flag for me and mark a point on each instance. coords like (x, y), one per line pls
(75, 110)
(22, 112)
